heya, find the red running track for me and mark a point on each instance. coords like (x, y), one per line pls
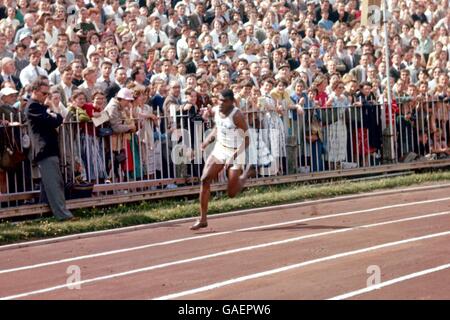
(340, 249)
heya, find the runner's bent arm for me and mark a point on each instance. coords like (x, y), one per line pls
(210, 139)
(241, 124)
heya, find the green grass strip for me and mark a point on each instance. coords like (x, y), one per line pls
(95, 219)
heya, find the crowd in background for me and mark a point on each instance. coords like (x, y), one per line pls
(302, 69)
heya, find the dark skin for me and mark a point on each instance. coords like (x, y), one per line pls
(236, 178)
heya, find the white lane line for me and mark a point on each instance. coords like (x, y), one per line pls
(296, 266)
(169, 242)
(85, 235)
(391, 282)
(218, 254)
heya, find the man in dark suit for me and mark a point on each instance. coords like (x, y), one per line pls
(195, 20)
(395, 67)
(192, 65)
(120, 76)
(8, 71)
(359, 72)
(45, 152)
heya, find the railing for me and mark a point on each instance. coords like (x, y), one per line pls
(164, 155)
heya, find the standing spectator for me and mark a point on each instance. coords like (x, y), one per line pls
(45, 151)
(27, 29)
(8, 71)
(425, 42)
(118, 110)
(156, 37)
(4, 51)
(55, 76)
(32, 71)
(65, 87)
(20, 59)
(104, 82)
(337, 130)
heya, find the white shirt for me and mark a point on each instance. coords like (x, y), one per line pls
(28, 74)
(215, 37)
(232, 37)
(162, 76)
(307, 71)
(51, 38)
(152, 37)
(134, 55)
(190, 7)
(67, 91)
(249, 57)
(239, 48)
(117, 16)
(55, 77)
(6, 77)
(182, 47)
(284, 37)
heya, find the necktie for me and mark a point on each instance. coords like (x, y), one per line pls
(36, 70)
(158, 39)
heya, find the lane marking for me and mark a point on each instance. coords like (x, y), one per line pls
(295, 266)
(85, 235)
(169, 242)
(390, 282)
(218, 254)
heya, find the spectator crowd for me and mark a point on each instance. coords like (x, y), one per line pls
(124, 75)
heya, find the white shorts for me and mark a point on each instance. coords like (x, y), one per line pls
(224, 154)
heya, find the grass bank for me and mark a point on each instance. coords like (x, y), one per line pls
(95, 219)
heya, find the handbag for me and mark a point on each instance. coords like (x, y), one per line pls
(104, 132)
(12, 156)
(78, 189)
(121, 156)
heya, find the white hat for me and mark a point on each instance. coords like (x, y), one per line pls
(24, 35)
(7, 91)
(125, 94)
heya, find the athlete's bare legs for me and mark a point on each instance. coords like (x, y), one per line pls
(210, 173)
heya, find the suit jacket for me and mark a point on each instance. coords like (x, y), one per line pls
(190, 67)
(42, 131)
(64, 99)
(395, 73)
(260, 35)
(112, 90)
(357, 56)
(195, 21)
(357, 73)
(14, 79)
(346, 63)
(293, 63)
(173, 33)
(414, 73)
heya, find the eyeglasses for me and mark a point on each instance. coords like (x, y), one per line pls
(45, 93)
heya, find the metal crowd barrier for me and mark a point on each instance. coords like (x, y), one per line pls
(165, 155)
